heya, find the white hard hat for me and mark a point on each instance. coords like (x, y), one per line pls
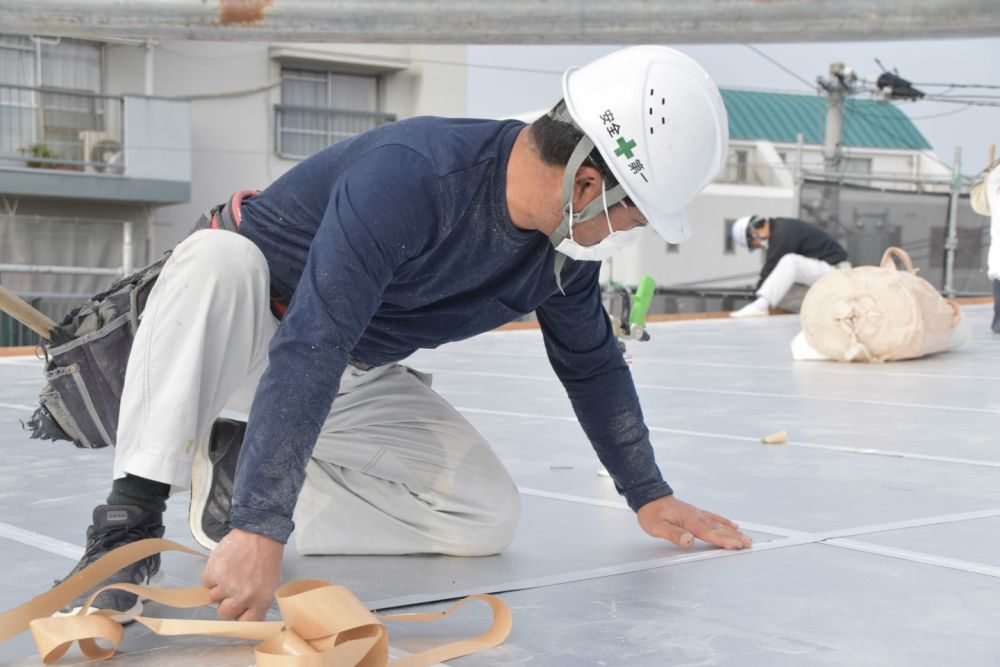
(977, 193)
(659, 122)
(739, 231)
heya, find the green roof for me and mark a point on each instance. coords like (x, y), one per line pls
(780, 116)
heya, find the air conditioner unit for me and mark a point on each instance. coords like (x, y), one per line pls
(102, 147)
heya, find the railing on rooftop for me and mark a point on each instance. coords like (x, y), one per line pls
(55, 128)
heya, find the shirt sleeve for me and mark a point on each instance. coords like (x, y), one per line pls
(584, 355)
(378, 215)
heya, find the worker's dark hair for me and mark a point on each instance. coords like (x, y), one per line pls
(756, 222)
(556, 136)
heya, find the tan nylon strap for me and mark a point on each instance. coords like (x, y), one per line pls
(897, 253)
(889, 263)
(323, 625)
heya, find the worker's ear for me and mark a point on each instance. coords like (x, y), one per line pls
(586, 186)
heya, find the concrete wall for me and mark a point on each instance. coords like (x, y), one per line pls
(233, 88)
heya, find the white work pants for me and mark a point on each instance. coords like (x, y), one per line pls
(395, 470)
(792, 269)
(993, 199)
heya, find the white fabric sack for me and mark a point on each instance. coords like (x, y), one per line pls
(877, 313)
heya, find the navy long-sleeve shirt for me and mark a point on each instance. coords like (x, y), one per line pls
(792, 236)
(400, 239)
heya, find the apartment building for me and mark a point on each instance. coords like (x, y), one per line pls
(111, 149)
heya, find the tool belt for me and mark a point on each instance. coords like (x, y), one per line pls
(85, 370)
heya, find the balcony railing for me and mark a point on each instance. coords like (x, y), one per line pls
(301, 131)
(54, 128)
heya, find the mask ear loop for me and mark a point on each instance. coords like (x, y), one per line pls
(604, 200)
(607, 215)
(572, 222)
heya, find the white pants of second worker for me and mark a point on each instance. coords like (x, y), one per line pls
(395, 470)
(790, 270)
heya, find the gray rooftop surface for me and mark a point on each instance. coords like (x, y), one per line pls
(876, 527)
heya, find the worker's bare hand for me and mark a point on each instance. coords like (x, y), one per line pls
(679, 522)
(243, 573)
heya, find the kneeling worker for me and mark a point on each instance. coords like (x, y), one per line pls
(797, 253)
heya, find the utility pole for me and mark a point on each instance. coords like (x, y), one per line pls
(951, 236)
(837, 87)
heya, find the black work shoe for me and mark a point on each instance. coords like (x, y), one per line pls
(212, 476)
(115, 526)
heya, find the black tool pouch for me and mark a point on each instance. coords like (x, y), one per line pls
(85, 376)
(86, 373)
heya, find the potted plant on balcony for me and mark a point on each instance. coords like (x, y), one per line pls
(45, 153)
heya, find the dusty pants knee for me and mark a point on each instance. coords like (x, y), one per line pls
(206, 325)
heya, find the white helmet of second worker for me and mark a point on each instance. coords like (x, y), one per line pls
(739, 231)
(660, 124)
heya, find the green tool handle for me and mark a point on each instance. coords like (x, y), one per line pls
(641, 301)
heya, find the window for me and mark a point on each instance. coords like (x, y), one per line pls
(737, 169)
(49, 122)
(858, 165)
(727, 237)
(741, 166)
(321, 108)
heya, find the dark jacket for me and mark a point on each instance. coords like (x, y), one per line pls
(791, 236)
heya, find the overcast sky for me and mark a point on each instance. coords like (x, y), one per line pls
(534, 80)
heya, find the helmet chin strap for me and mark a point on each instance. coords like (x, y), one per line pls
(608, 198)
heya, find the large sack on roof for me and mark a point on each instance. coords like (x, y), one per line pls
(877, 313)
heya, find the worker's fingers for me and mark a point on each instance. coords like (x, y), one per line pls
(253, 614)
(668, 531)
(230, 609)
(216, 594)
(719, 534)
(721, 519)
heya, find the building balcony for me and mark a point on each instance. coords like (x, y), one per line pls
(78, 145)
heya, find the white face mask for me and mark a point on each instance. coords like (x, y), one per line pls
(607, 247)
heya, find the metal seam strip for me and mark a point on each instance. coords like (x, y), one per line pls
(837, 369)
(836, 538)
(730, 392)
(916, 557)
(744, 438)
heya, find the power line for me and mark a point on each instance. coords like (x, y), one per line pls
(963, 96)
(810, 84)
(941, 115)
(960, 85)
(975, 103)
